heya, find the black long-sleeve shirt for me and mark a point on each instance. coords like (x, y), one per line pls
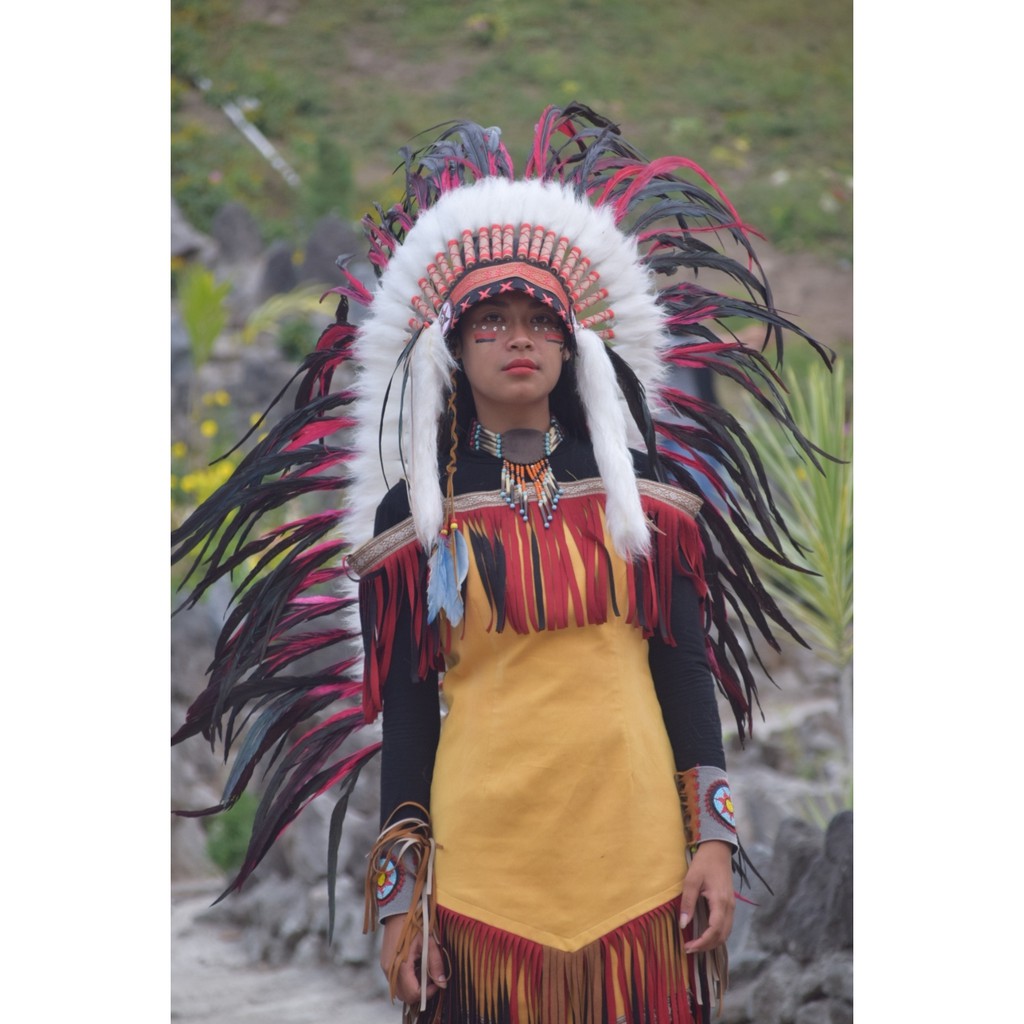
(411, 721)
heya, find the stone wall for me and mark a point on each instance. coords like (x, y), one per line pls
(791, 956)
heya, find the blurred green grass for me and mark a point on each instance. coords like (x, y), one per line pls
(757, 91)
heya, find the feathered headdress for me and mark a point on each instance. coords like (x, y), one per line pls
(616, 244)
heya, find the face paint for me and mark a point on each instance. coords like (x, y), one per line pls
(496, 323)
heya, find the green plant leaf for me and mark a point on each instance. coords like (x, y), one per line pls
(300, 303)
(227, 834)
(203, 310)
(818, 507)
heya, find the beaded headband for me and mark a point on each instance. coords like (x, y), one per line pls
(501, 258)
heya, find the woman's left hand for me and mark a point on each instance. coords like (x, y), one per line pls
(709, 876)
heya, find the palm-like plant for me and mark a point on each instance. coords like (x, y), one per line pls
(818, 508)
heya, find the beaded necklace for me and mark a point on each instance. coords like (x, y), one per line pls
(525, 468)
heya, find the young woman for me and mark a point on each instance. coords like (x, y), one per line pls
(554, 805)
(544, 600)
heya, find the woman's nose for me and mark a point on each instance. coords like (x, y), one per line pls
(520, 331)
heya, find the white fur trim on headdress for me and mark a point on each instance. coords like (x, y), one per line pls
(397, 312)
(432, 366)
(606, 420)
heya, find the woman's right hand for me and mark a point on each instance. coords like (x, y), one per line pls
(407, 983)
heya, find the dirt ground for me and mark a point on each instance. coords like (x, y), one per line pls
(212, 979)
(816, 295)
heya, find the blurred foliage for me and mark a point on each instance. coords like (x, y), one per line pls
(288, 319)
(819, 810)
(200, 462)
(817, 506)
(757, 91)
(197, 465)
(227, 833)
(203, 310)
(330, 187)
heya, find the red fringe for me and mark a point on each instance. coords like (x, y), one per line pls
(397, 583)
(678, 549)
(540, 585)
(499, 976)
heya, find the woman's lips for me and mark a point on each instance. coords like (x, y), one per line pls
(520, 367)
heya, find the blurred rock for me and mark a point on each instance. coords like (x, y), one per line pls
(237, 234)
(818, 1012)
(278, 274)
(774, 998)
(189, 860)
(238, 261)
(188, 243)
(330, 238)
(794, 962)
(181, 367)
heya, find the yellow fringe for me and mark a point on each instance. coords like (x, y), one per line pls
(641, 963)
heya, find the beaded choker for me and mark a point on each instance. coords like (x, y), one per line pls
(525, 468)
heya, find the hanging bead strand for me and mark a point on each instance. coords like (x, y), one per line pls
(520, 480)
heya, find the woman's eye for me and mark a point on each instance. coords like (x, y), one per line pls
(496, 323)
(549, 328)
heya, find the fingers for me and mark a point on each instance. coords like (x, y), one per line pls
(407, 984)
(721, 908)
(688, 900)
(708, 879)
(435, 965)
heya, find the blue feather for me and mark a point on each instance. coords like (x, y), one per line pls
(445, 579)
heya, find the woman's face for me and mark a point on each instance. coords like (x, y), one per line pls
(512, 349)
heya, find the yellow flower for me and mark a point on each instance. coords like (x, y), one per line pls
(221, 397)
(203, 482)
(179, 450)
(208, 428)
